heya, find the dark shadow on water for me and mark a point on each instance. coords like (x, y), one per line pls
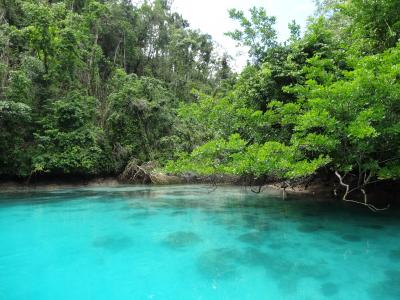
(395, 255)
(182, 239)
(352, 238)
(288, 272)
(237, 221)
(113, 243)
(72, 210)
(233, 227)
(132, 206)
(136, 223)
(254, 257)
(389, 288)
(276, 245)
(140, 215)
(372, 226)
(299, 271)
(285, 271)
(224, 263)
(310, 214)
(310, 228)
(253, 238)
(329, 289)
(178, 213)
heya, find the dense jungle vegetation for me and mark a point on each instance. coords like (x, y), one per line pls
(89, 85)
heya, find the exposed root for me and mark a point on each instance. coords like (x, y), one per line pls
(214, 185)
(135, 173)
(362, 189)
(258, 191)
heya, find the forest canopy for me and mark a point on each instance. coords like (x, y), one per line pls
(89, 85)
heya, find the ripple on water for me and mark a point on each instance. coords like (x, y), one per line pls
(182, 239)
(218, 263)
(113, 243)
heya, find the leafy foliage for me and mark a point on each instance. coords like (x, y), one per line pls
(316, 102)
(87, 86)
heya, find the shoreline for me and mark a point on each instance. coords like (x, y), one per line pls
(12, 185)
(6, 185)
(318, 189)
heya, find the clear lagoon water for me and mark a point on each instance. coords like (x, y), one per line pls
(186, 242)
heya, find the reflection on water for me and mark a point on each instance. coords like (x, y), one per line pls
(182, 242)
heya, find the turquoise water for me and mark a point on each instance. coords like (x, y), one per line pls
(186, 242)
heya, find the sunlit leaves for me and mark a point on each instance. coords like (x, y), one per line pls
(257, 31)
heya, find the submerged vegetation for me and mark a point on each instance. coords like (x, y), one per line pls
(90, 86)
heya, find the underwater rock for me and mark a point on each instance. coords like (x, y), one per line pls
(310, 214)
(372, 226)
(329, 289)
(276, 246)
(233, 227)
(140, 215)
(279, 267)
(253, 238)
(178, 213)
(254, 257)
(315, 271)
(218, 263)
(182, 239)
(388, 288)
(394, 254)
(136, 223)
(262, 226)
(393, 275)
(351, 238)
(284, 268)
(71, 210)
(113, 243)
(308, 228)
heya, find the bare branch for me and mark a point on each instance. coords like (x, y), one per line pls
(362, 189)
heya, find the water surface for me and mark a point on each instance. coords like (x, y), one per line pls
(187, 242)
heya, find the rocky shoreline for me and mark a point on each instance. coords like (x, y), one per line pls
(319, 188)
(157, 178)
